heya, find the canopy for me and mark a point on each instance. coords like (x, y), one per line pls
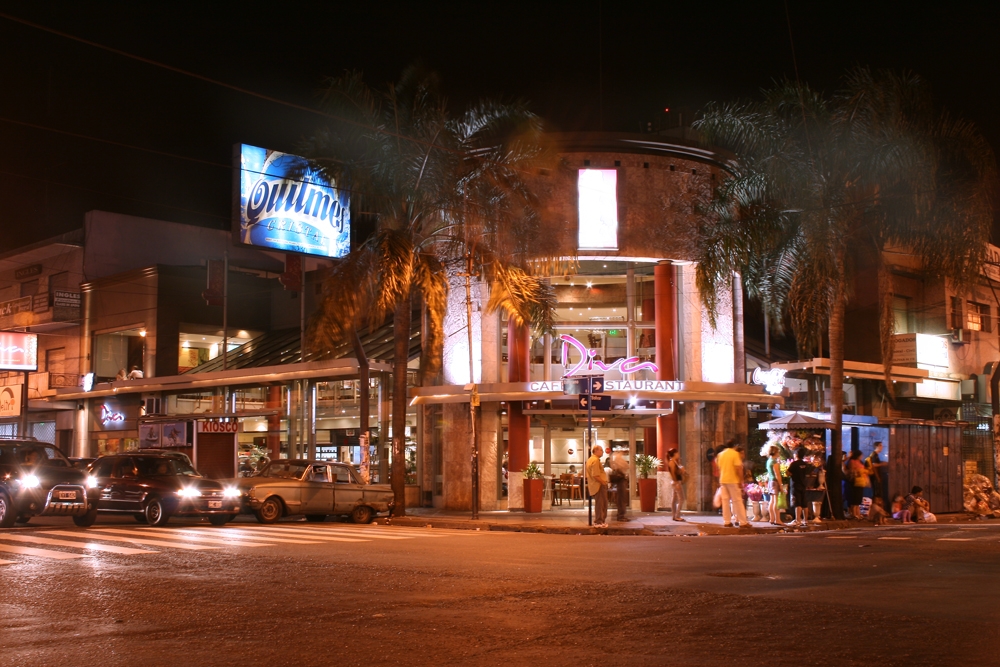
(794, 421)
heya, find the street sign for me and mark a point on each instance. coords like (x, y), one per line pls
(596, 384)
(594, 402)
(585, 384)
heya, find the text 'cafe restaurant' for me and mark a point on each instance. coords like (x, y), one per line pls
(621, 212)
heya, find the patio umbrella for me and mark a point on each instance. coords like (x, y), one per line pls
(794, 421)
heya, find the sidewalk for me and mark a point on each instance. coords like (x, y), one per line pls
(574, 522)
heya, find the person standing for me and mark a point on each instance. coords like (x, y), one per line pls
(676, 471)
(798, 475)
(775, 484)
(876, 467)
(619, 476)
(731, 486)
(857, 481)
(597, 486)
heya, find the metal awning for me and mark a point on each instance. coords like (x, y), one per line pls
(855, 369)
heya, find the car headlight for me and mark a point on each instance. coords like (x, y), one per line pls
(91, 482)
(30, 481)
(231, 492)
(189, 492)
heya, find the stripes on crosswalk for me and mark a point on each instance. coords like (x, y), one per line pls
(136, 540)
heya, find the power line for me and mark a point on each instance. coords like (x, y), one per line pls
(223, 84)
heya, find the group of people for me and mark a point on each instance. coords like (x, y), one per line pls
(600, 475)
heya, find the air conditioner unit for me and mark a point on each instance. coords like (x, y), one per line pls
(960, 336)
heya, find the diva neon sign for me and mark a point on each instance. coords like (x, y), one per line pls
(590, 363)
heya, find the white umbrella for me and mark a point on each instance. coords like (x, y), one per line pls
(794, 421)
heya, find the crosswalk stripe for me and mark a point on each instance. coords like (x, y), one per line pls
(893, 538)
(841, 537)
(42, 553)
(234, 533)
(93, 546)
(305, 535)
(137, 540)
(955, 539)
(186, 535)
(411, 533)
(8, 562)
(327, 532)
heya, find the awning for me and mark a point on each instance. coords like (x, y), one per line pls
(855, 369)
(645, 390)
(794, 421)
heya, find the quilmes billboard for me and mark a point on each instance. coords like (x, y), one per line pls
(284, 204)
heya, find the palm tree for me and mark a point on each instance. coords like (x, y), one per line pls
(442, 192)
(823, 185)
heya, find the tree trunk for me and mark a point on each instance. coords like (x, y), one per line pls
(834, 470)
(363, 398)
(401, 337)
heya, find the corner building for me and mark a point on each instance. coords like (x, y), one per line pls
(621, 214)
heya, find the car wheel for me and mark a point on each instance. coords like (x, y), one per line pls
(141, 518)
(87, 519)
(7, 515)
(317, 518)
(270, 511)
(362, 514)
(155, 514)
(23, 518)
(221, 519)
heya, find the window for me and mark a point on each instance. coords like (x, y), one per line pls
(58, 281)
(55, 360)
(118, 351)
(597, 190)
(957, 320)
(103, 468)
(977, 317)
(343, 475)
(905, 318)
(29, 288)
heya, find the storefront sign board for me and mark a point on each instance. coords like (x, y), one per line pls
(213, 426)
(10, 401)
(18, 351)
(921, 350)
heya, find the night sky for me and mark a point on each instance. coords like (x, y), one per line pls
(652, 56)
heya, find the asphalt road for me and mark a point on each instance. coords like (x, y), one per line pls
(339, 594)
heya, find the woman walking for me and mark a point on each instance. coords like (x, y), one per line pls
(775, 485)
(857, 481)
(677, 481)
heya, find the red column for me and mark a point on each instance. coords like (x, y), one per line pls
(518, 370)
(666, 324)
(274, 423)
(648, 315)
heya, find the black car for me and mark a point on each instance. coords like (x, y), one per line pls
(154, 486)
(37, 480)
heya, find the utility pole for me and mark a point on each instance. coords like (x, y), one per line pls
(474, 398)
(225, 309)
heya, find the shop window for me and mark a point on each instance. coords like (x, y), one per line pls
(977, 317)
(118, 353)
(200, 343)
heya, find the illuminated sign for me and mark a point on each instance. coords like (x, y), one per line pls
(590, 363)
(10, 401)
(18, 351)
(111, 416)
(920, 349)
(87, 382)
(218, 427)
(285, 204)
(773, 379)
(613, 385)
(597, 191)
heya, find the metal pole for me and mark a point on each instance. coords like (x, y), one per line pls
(474, 398)
(588, 453)
(225, 309)
(23, 426)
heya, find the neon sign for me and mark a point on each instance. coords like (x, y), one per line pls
(589, 361)
(109, 416)
(773, 379)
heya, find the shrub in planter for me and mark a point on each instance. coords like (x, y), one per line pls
(646, 464)
(534, 487)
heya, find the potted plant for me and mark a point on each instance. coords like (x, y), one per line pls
(644, 465)
(534, 486)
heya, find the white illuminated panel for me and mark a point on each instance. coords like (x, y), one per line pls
(598, 208)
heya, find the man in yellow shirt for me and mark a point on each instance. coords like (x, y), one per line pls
(730, 464)
(597, 487)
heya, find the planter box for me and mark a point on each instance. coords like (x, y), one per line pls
(533, 490)
(647, 494)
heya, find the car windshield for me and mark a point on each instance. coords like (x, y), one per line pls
(164, 466)
(35, 455)
(285, 469)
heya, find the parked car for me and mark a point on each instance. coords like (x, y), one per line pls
(315, 489)
(154, 486)
(37, 480)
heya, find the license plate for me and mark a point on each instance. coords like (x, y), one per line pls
(214, 504)
(67, 495)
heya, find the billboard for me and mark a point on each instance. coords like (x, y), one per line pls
(286, 205)
(597, 190)
(18, 351)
